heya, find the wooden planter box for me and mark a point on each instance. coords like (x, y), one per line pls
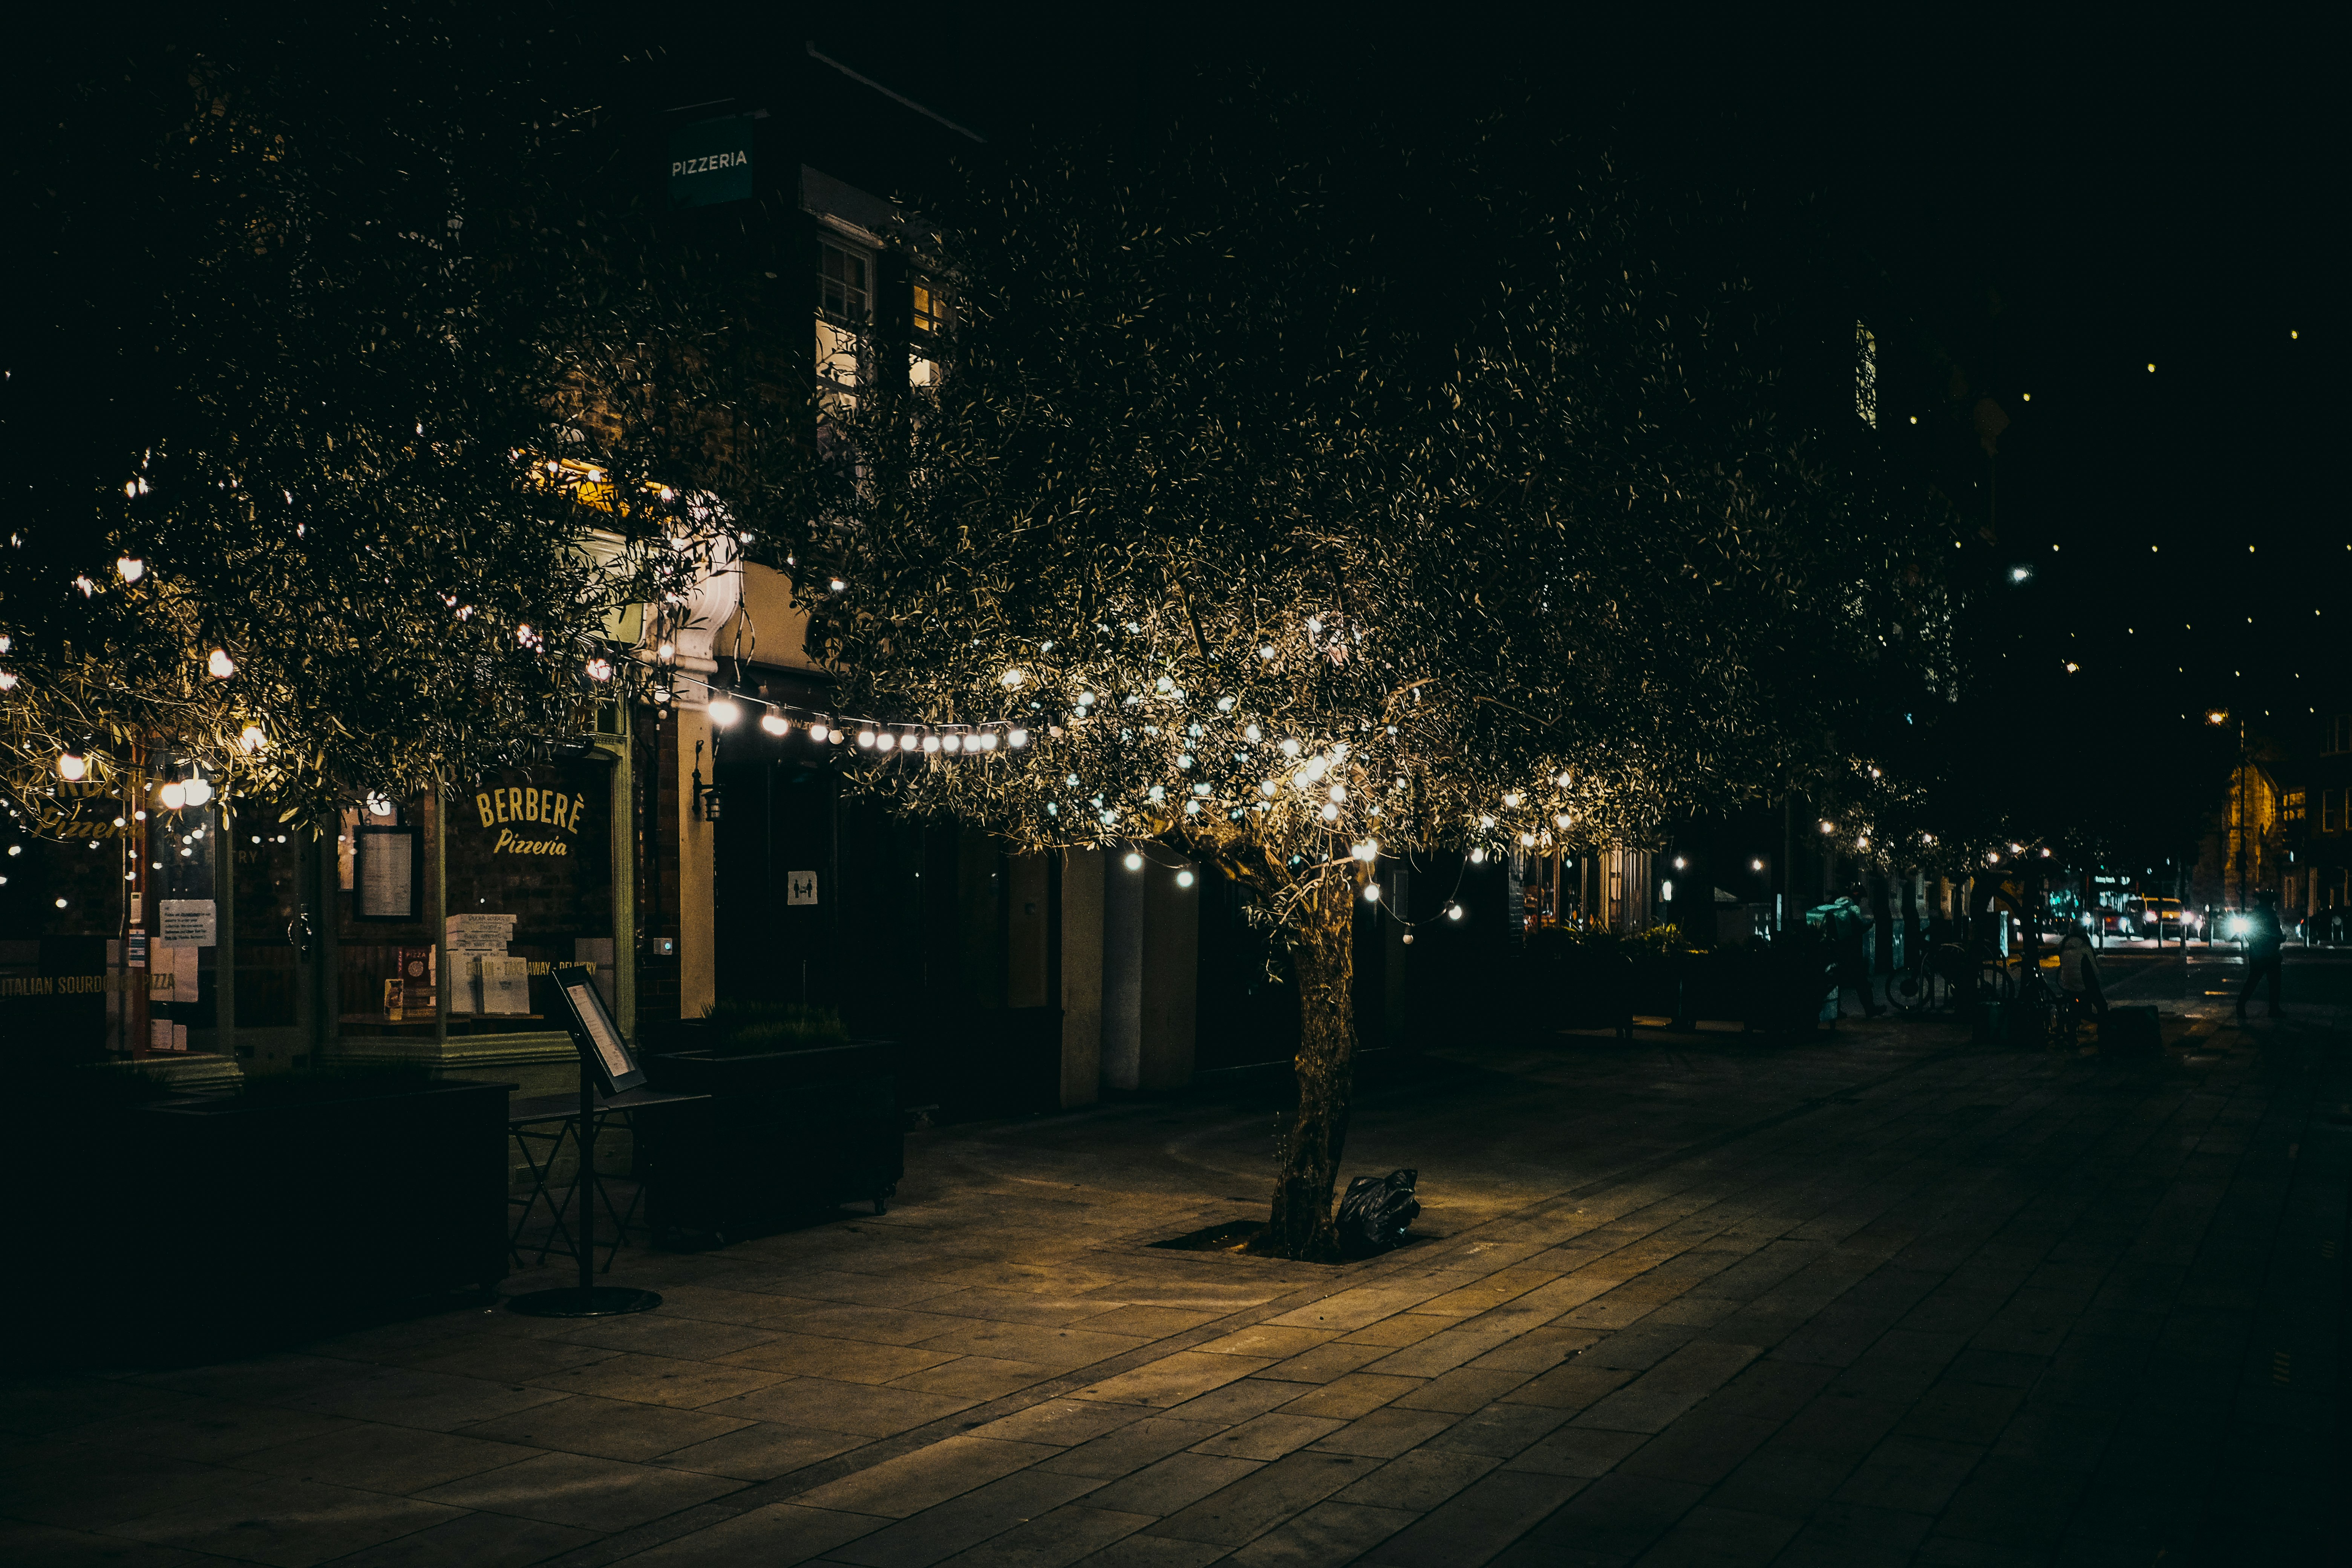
(342, 1196)
(786, 1134)
(227, 1221)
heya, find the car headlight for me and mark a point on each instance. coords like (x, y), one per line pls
(2238, 927)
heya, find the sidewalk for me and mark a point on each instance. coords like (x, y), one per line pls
(1881, 1298)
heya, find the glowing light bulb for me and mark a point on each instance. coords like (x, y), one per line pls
(986, 739)
(775, 723)
(666, 652)
(1266, 652)
(1829, 828)
(251, 738)
(197, 791)
(950, 744)
(724, 711)
(172, 796)
(1163, 686)
(1454, 911)
(1527, 840)
(1017, 738)
(1184, 879)
(1266, 787)
(218, 664)
(1561, 821)
(1511, 800)
(885, 741)
(1134, 862)
(865, 738)
(820, 730)
(1371, 892)
(379, 805)
(1314, 769)
(1339, 792)
(131, 567)
(7, 681)
(1252, 733)
(1013, 678)
(1330, 813)
(1478, 856)
(931, 742)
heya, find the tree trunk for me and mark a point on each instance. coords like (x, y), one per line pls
(1322, 952)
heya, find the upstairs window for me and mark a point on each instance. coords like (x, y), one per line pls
(844, 293)
(2337, 736)
(841, 285)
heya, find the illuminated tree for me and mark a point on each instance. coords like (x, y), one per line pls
(284, 417)
(1244, 566)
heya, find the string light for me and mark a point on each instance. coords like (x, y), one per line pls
(724, 711)
(72, 766)
(1184, 879)
(600, 668)
(131, 567)
(775, 723)
(1134, 862)
(218, 664)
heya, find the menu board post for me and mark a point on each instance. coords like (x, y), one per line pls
(605, 1063)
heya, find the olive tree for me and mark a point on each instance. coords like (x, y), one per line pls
(304, 503)
(1206, 539)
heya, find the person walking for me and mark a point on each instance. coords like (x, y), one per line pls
(2263, 943)
(1850, 952)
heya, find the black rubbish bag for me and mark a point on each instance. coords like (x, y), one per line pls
(1375, 1211)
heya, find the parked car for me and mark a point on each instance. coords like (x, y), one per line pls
(2103, 922)
(2159, 917)
(2328, 928)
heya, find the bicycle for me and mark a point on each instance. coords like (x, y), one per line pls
(1935, 980)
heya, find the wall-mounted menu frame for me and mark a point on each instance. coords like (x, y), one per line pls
(388, 882)
(594, 1033)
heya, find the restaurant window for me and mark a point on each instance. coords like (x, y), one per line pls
(2337, 736)
(63, 868)
(387, 971)
(529, 859)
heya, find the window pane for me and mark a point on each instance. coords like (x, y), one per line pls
(530, 885)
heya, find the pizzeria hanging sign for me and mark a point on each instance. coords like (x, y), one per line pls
(531, 821)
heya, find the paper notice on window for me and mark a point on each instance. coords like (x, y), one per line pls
(480, 932)
(387, 885)
(608, 1046)
(183, 974)
(506, 986)
(194, 922)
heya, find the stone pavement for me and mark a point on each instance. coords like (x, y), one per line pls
(1885, 1297)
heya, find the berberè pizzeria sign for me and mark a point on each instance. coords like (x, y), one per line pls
(522, 817)
(711, 162)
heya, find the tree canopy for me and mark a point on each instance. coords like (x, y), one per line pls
(1264, 568)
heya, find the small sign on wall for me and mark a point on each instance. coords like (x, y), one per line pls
(800, 888)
